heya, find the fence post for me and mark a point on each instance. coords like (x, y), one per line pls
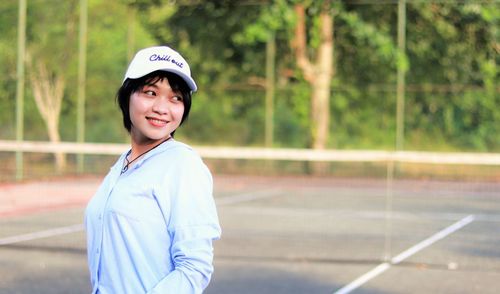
(401, 68)
(270, 68)
(82, 62)
(21, 49)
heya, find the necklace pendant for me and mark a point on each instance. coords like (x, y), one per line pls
(129, 162)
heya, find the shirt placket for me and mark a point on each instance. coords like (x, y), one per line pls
(115, 175)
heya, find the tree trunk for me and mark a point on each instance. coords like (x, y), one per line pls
(319, 75)
(48, 91)
(54, 137)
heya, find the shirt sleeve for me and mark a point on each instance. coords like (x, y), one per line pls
(193, 225)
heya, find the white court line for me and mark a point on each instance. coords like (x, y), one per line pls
(79, 227)
(404, 255)
(247, 197)
(41, 234)
(360, 214)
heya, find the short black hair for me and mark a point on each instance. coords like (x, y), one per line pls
(131, 86)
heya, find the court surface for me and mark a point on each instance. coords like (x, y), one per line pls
(283, 235)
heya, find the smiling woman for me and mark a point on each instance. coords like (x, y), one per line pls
(151, 224)
(154, 85)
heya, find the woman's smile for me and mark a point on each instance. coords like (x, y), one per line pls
(155, 112)
(157, 122)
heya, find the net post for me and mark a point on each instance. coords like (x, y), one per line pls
(389, 195)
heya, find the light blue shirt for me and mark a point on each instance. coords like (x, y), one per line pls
(150, 229)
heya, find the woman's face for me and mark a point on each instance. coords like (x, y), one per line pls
(155, 112)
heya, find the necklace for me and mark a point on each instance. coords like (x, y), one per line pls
(125, 168)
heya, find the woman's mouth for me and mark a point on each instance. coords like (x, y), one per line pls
(156, 121)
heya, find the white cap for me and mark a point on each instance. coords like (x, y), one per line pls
(163, 58)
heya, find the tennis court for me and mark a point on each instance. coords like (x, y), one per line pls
(284, 234)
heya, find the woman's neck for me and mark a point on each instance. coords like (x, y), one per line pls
(139, 147)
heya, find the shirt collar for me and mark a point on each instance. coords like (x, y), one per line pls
(161, 148)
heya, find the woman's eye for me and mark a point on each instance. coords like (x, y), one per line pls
(149, 92)
(177, 98)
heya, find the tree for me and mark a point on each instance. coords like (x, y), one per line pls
(48, 58)
(319, 74)
(48, 92)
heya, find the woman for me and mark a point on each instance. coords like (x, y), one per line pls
(151, 224)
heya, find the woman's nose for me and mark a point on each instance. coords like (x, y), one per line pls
(161, 105)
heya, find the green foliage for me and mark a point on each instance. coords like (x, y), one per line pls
(8, 67)
(292, 116)
(107, 61)
(278, 16)
(450, 62)
(458, 43)
(52, 34)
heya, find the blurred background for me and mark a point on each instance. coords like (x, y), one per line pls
(348, 75)
(399, 97)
